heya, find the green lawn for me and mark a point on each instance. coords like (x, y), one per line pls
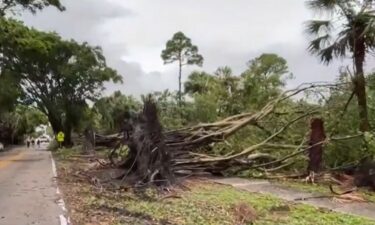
(212, 204)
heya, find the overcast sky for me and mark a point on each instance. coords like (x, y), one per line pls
(133, 33)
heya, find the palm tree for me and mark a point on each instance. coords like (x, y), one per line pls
(349, 31)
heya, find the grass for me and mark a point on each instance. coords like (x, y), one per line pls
(211, 204)
(64, 153)
(67, 153)
(205, 203)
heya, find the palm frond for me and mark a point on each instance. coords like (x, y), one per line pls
(315, 27)
(326, 54)
(371, 11)
(337, 49)
(327, 50)
(317, 44)
(365, 21)
(370, 37)
(323, 5)
(367, 4)
(341, 46)
(368, 32)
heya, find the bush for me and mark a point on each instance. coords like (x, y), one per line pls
(53, 146)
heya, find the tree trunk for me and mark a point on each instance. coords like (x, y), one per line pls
(68, 135)
(55, 124)
(360, 85)
(317, 135)
(179, 82)
(89, 141)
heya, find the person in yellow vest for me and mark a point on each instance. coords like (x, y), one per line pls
(60, 138)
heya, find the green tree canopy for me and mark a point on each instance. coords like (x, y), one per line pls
(112, 111)
(10, 92)
(59, 76)
(20, 121)
(10, 6)
(264, 79)
(198, 82)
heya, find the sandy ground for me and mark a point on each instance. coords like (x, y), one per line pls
(28, 193)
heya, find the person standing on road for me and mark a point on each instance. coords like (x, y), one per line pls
(38, 143)
(28, 142)
(32, 141)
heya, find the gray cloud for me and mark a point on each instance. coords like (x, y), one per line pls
(132, 34)
(83, 20)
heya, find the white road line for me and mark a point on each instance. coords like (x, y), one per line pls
(61, 203)
(63, 220)
(54, 171)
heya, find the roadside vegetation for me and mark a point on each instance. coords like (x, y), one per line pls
(195, 201)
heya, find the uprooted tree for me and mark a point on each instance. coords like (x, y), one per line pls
(149, 157)
(157, 157)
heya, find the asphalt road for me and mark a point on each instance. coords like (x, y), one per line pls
(28, 192)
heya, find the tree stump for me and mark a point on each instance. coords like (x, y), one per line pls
(315, 152)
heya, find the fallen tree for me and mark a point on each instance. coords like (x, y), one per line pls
(156, 157)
